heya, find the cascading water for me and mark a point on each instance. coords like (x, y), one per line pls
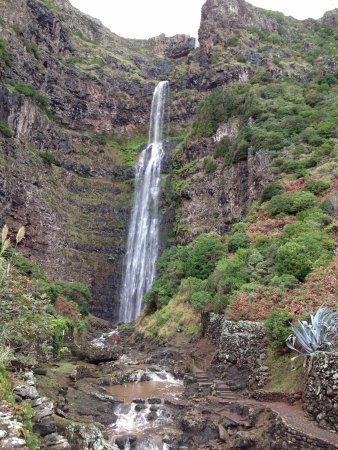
(143, 236)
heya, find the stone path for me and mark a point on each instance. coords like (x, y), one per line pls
(293, 415)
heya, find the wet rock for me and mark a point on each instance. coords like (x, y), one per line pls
(45, 426)
(26, 392)
(154, 401)
(81, 372)
(87, 437)
(139, 407)
(97, 355)
(54, 441)
(12, 443)
(152, 416)
(40, 371)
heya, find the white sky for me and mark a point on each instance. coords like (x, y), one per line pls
(147, 18)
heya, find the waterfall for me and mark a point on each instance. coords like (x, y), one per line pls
(143, 236)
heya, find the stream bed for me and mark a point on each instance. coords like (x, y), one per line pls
(144, 418)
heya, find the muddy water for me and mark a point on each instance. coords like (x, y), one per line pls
(146, 389)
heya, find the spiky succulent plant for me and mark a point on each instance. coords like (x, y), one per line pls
(320, 334)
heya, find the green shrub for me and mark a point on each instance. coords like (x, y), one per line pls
(232, 41)
(277, 327)
(41, 100)
(223, 147)
(238, 240)
(241, 59)
(5, 129)
(210, 166)
(204, 129)
(26, 267)
(73, 290)
(261, 77)
(314, 215)
(60, 327)
(239, 227)
(53, 292)
(284, 281)
(237, 152)
(299, 256)
(230, 275)
(200, 299)
(4, 56)
(272, 189)
(317, 187)
(291, 203)
(83, 309)
(330, 206)
(203, 255)
(102, 140)
(47, 158)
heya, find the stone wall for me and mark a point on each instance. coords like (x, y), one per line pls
(283, 436)
(241, 351)
(321, 389)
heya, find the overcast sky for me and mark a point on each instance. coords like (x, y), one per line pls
(146, 18)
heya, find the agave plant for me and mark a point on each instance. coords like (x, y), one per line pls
(320, 334)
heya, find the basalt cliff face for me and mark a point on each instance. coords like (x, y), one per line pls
(74, 108)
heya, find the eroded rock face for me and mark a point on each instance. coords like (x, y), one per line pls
(173, 47)
(211, 202)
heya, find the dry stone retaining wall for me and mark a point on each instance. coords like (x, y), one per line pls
(321, 389)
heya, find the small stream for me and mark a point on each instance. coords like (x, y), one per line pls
(143, 418)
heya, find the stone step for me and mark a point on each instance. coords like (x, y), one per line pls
(205, 384)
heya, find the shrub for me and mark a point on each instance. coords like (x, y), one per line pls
(204, 129)
(237, 152)
(53, 292)
(317, 187)
(47, 158)
(302, 254)
(230, 275)
(272, 189)
(222, 147)
(314, 215)
(210, 166)
(232, 41)
(277, 327)
(290, 203)
(203, 255)
(102, 140)
(261, 77)
(238, 240)
(26, 267)
(200, 299)
(6, 130)
(29, 91)
(4, 56)
(284, 281)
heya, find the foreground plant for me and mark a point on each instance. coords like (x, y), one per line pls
(5, 265)
(320, 334)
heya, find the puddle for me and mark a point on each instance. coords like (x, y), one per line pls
(146, 389)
